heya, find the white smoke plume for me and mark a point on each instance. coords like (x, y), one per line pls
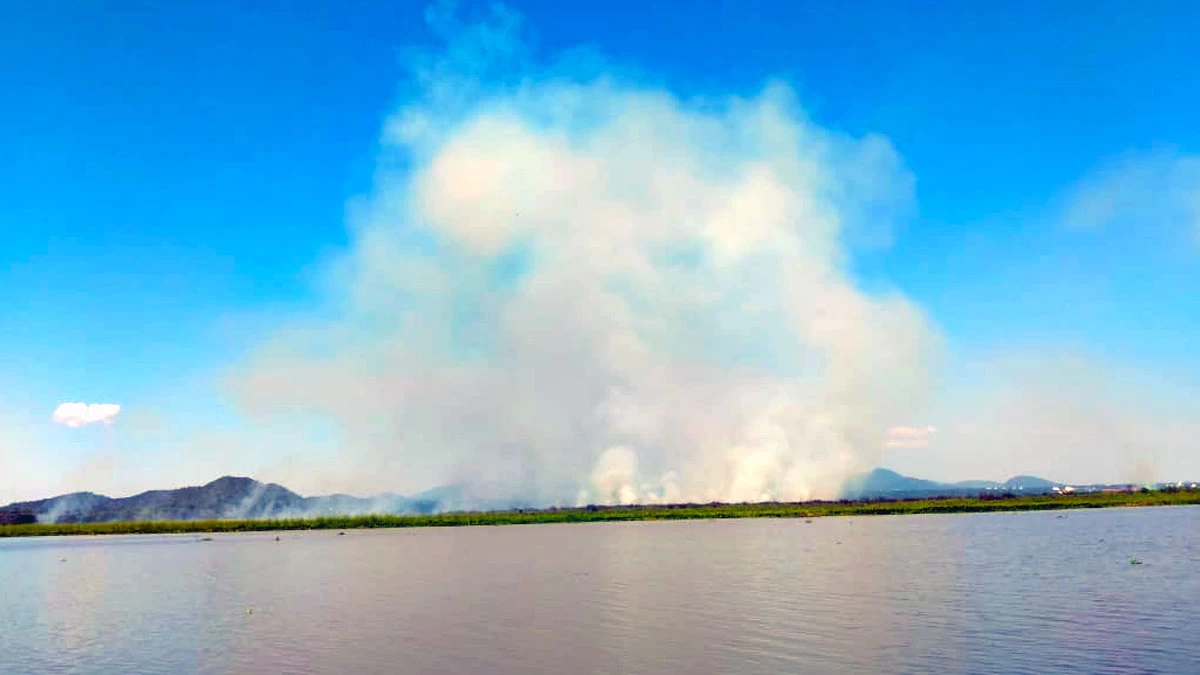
(1065, 415)
(1155, 192)
(580, 288)
(76, 415)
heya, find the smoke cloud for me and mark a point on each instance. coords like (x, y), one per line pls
(1150, 191)
(1065, 415)
(76, 415)
(577, 288)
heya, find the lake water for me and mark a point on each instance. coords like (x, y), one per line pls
(989, 593)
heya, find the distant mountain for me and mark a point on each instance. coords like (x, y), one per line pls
(1028, 483)
(476, 497)
(978, 484)
(885, 484)
(226, 497)
(882, 482)
(234, 497)
(48, 510)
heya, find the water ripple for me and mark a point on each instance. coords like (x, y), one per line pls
(988, 593)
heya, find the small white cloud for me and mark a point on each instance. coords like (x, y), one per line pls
(909, 437)
(76, 415)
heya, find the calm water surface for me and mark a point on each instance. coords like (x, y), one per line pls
(990, 593)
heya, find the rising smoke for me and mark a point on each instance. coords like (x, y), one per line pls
(1067, 415)
(583, 289)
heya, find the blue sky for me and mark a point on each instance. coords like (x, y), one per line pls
(175, 176)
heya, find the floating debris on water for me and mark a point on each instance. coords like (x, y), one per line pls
(62, 560)
(276, 538)
(808, 520)
(341, 534)
(1135, 561)
(206, 538)
(249, 610)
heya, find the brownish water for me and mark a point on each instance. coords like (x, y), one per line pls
(990, 593)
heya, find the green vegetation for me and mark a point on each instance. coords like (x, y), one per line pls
(611, 513)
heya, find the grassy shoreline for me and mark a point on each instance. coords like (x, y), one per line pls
(623, 513)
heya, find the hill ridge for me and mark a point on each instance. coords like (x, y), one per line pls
(242, 497)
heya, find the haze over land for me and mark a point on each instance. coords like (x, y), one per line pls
(571, 282)
(241, 498)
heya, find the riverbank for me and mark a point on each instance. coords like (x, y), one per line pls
(626, 513)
